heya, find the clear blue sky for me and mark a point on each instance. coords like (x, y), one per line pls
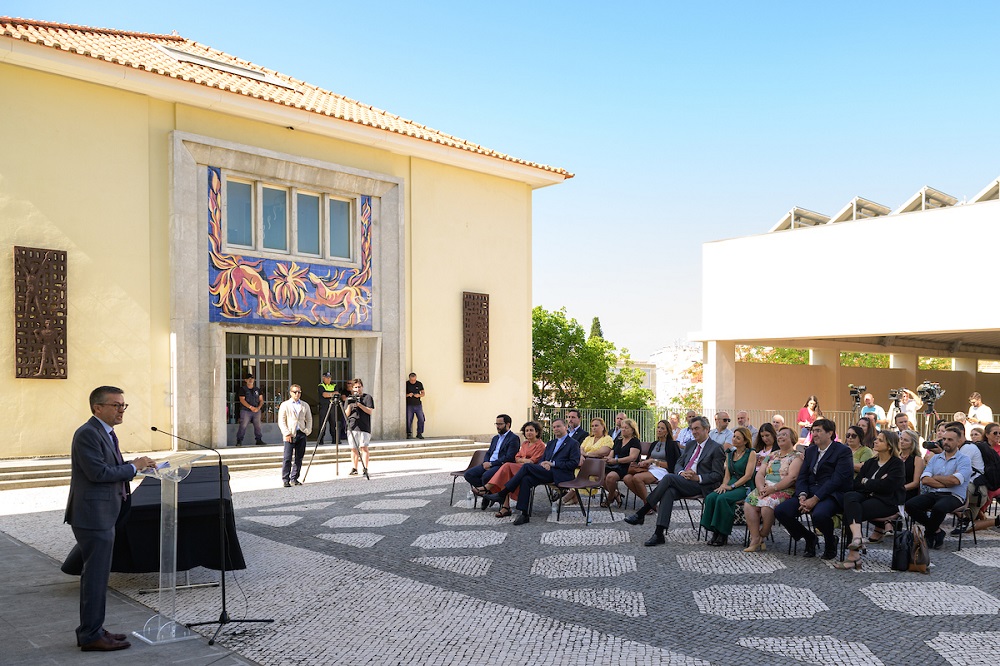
(684, 122)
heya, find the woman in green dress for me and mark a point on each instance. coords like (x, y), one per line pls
(720, 506)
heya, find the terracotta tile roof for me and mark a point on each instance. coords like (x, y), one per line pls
(159, 54)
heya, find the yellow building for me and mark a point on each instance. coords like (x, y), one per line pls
(218, 218)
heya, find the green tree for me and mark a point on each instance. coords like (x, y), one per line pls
(863, 360)
(782, 355)
(571, 370)
(933, 363)
(595, 328)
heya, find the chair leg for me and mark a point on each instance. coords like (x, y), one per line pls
(453, 480)
(586, 514)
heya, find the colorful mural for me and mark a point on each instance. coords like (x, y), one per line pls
(254, 290)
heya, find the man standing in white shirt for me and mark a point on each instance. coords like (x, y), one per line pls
(979, 414)
(295, 423)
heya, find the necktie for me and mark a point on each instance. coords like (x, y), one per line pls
(694, 459)
(121, 461)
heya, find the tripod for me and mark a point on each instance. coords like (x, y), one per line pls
(224, 618)
(319, 438)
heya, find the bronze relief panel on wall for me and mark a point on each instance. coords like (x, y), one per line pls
(40, 313)
(476, 337)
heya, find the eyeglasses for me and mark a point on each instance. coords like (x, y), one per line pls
(851, 435)
(295, 391)
(726, 420)
(500, 424)
(121, 406)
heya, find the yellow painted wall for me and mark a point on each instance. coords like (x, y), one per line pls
(74, 175)
(469, 232)
(85, 168)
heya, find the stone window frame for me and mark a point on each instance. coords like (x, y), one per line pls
(292, 189)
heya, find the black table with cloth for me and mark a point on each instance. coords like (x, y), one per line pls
(137, 544)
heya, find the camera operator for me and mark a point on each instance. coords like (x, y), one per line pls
(359, 407)
(906, 402)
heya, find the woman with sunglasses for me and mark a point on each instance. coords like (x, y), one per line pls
(860, 452)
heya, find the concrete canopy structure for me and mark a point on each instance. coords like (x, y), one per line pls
(919, 296)
(220, 218)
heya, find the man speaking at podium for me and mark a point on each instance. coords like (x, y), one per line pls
(99, 500)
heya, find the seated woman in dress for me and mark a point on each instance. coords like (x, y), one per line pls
(859, 451)
(531, 451)
(765, 442)
(663, 455)
(878, 492)
(774, 483)
(720, 507)
(913, 468)
(625, 451)
(596, 445)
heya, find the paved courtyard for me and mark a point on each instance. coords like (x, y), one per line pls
(387, 572)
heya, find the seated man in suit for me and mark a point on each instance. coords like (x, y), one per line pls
(827, 473)
(702, 470)
(562, 457)
(573, 425)
(502, 449)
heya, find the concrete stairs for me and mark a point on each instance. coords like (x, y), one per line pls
(43, 472)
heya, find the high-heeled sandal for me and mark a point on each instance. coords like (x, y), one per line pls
(857, 544)
(848, 564)
(760, 547)
(877, 535)
(503, 513)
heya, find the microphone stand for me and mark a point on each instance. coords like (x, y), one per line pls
(319, 438)
(224, 618)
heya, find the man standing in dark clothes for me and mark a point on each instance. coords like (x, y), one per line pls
(249, 396)
(414, 392)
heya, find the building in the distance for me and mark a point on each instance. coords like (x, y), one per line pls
(176, 217)
(911, 282)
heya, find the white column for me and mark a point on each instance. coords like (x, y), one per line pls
(828, 388)
(908, 363)
(719, 376)
(968, 366)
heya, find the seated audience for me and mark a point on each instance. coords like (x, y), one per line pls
(530, 452)
(721, 432)
(992, 433)
(977, 434)
(765, 441)
(945, 482)
(503, 446)
(702, 467)
(868, 430)
(878, 492)
(778, 422)
(827, 473)
(662, 457)
(720, 506)
(625, 451)
(743, 420)
(560, 460)
(773, 484)
(859, 452)
(977, 493)
(597, 444)
(684, 436)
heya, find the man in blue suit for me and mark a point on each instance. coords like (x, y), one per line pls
(558, 464)
(503, 448)
(98, 499)
(827, 473)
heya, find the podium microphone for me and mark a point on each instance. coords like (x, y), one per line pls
(224, 618)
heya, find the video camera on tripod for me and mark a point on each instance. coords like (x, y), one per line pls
(856, 393)
(930, 392)
(895, 395)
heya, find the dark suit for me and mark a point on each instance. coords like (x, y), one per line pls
(828, 481)
(94, 507)
(478, 476)
(710, 467)
(580, 434)
(564, 464)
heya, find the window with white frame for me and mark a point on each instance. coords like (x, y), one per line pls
(283, 219)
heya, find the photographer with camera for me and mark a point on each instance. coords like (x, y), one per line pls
(904, 401)
(359, 407)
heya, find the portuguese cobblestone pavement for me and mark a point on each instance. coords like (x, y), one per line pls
(387, 572)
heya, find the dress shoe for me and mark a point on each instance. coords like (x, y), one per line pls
(722, 540)
(810, 549)
(287, 484)
(521, 519)
(105, 644)
(259, 442)
(420, 436)
(115, 637)
(409, 436)
(830, 548)
(938, 540)
(296, 482)
(496, 497)
(656, 540)
(636, 519)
